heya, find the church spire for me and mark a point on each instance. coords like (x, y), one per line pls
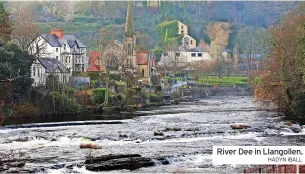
(129, 22)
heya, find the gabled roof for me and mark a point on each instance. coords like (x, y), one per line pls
(54, 41)
(94, 67)
(51, 64)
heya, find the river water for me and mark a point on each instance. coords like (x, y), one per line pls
(204, 124)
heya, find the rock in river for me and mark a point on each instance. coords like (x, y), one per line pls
(117, 162)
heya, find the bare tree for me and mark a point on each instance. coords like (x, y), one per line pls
(39, 47)
(219, 34)
(25, 31)
(173, 59)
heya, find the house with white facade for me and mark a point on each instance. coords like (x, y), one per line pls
(183, 55)
(67, 49)
(49, 69)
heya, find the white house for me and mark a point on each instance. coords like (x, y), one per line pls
(45, 69)
(183, 55)
(67, 49)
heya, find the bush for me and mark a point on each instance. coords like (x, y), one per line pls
(63, 103)
(154, 98)
(84, 19)
(115, 77)
(99, 95)
(299, 104)
(26, 110)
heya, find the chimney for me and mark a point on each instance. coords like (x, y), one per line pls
(58, 32)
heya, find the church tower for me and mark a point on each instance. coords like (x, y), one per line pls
(130, 38)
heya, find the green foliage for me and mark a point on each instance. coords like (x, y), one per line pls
(168, 31)
(115, 77)
(5, 24)
(232, 80)
(93, 82)
(15, 64)
(154, 98)
(99, 95)
(69, 27)
(64, 104)
(85, 19)
(299, 104)
(136, 89)
(158, 53)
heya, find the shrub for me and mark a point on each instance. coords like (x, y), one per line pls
(63, 103)
(99, 95)
(154, 98)
(26, 110)
(137, 89)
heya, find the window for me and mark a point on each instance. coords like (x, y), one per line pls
(34, 71)
(191, 42)
(67, 59)
(65, 47)
(199, 54)
(38, 71)
(165, 54)
(129, 50)
(57, 57)
(142, 72)
(181, 26)
(193, 54)
(81, 50)
(177, 54)
(56, 49)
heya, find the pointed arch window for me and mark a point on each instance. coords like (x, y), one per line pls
(129, 50)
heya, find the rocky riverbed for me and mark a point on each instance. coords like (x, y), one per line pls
(176, 138)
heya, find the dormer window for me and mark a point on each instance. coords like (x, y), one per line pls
(81, 50)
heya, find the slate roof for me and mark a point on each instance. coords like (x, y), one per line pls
(50, 63)
(54, 41)
(227, 50)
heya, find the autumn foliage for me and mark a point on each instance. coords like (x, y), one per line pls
(283, 79)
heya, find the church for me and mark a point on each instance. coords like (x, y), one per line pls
(125, 56)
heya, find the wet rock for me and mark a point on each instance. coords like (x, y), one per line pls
(193, 129)
(118, 162)
(240, 126)
(296, 129)
(89, 146)
(172, 129)
(286, 130)
(19, 170)
(163, 160)
(57, 166)
(91, 160)
(158, 134)
(22, 139)
(123, 136)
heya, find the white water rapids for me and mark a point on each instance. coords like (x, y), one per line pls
(203, 125)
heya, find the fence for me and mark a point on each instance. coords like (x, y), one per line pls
(276, 169)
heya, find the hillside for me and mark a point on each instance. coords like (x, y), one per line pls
(84, 19)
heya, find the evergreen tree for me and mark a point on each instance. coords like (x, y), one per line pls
(5, 24)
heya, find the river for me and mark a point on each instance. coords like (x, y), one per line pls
(204, 124)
